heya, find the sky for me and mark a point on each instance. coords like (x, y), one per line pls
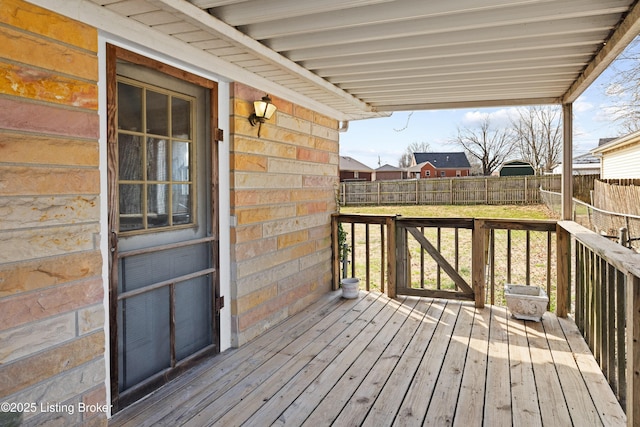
(377, 142)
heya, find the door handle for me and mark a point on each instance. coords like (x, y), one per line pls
(114, 241)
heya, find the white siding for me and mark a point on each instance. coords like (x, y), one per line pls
(622, 163)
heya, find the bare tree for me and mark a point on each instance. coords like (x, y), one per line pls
(538, 133)
(624, 88)
(490, 146)
(415, 147)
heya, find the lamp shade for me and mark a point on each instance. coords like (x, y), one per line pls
(264, 108)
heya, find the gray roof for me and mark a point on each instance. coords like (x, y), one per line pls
(453, 160)
(351, 164)
(603, 141)
(388, 168)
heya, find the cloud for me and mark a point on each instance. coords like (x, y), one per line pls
(499, 118)
(582, 105)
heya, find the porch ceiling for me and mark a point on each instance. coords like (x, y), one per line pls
(367, 58)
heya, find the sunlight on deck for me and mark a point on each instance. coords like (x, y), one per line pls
(406, 361)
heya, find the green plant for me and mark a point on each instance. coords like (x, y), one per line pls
(344, 248)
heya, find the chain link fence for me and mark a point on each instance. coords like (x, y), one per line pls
(623, 228)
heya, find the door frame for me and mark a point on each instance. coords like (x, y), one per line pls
(113, 54)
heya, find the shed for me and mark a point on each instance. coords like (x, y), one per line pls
(516, 168)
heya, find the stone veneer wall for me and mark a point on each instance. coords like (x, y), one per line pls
(51, 289)
(282, 195)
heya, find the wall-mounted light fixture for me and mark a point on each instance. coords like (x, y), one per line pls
(264, 109)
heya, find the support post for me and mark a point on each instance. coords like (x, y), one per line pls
(567, 161)
(391, 259)
(335, 259)
(563, 251)
(478, 261)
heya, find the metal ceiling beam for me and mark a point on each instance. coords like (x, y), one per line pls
(515, 33)
(262, 11)
(502, 48)
(481, 20)
(445, 105)
(332, 20)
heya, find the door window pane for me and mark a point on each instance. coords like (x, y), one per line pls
(180, 118)
(131, 207)
(157, 205)
(157, 166)
(129, 107)
(157, 113)
(181, 204)
(156, 157)
(130, 157)
(180, 166)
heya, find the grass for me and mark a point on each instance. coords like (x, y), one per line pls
(447, 211)
(424, 271)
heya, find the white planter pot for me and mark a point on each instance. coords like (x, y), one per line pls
(350, 287)
(526, 302)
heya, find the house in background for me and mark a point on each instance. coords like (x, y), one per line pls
(388, 172)
(586, 164)
(439, 165)
(620, 157)
(353, 170)
(515, 168)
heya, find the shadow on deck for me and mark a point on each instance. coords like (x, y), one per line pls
(407, 361)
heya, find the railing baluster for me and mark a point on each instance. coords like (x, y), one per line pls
(621, 345)
(353, 249)
(438, 269)
(367, 251)
(492, 263)
(422, 262)
(457, 252)
(508, 256)
(382, 258)
(528, 263)
(610, 337)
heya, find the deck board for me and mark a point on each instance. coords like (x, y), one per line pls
(378, 361)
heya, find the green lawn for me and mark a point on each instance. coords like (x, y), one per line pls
(466, 211)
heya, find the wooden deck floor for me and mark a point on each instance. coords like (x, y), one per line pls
(376, 361)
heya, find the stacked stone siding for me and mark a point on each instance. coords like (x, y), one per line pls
(283, 192)
(52, 340)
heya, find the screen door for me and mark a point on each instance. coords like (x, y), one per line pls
(162, 237)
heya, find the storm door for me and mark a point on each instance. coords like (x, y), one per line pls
(162, 223)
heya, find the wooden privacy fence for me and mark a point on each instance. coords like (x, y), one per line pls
(449, 191)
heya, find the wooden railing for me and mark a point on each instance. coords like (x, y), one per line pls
(606, 307)
(461, 258)
(602, 289)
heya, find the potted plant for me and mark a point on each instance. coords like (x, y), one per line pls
(350, 285)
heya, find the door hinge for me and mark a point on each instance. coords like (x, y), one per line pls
(219, 303)
(218, 134)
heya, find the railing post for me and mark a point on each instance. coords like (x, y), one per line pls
(633, 350)
(335, 252)
(391, 259)
(478, 261)
(563, 252)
